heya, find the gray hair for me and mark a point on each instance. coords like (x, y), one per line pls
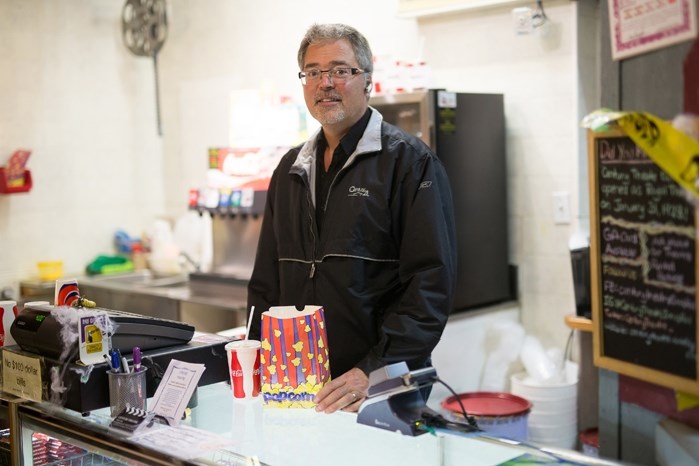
(323, 33)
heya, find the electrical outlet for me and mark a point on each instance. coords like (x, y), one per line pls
(522, 18)
(561, 207)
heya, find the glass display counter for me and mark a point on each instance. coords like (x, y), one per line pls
(241, 433)
(51, 436)
(5, 443)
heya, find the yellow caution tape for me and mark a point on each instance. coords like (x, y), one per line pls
(675, 152)
(685, 401)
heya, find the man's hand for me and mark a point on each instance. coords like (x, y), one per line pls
(345, 392)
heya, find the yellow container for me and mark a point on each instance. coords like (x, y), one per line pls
(50, 270)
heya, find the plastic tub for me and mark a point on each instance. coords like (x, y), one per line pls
(50, 270)
(500, 414)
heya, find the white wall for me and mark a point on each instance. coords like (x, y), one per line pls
(470, 341)
(479, 52)
(73, 94)
(71, 91)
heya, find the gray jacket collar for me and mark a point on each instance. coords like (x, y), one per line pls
(306, 159)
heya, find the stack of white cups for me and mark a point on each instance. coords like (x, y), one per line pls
(552, 388)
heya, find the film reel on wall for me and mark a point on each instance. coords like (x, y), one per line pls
(144, 29)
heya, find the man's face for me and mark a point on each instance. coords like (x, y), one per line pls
(337, 105)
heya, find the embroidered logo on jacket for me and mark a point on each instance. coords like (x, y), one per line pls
(356, 192)
(425, 184)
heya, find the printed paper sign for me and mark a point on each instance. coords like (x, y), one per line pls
(175, 390)
(94, 338)
(21, 375)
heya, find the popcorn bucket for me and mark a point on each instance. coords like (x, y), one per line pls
(294, 356)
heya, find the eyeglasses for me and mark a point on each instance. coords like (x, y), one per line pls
(335, 74)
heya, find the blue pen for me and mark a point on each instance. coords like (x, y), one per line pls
(136, 359)
(116, 362)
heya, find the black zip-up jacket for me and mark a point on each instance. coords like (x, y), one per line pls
(384, 266)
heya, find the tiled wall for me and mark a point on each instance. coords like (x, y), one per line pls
(71, 91)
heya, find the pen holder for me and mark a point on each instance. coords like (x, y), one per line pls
(127, 390)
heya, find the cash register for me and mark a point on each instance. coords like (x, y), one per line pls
(38, 329)
(42, 330)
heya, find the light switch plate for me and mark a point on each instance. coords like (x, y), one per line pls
(561, 207)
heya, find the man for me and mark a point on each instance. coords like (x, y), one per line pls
(359, 220)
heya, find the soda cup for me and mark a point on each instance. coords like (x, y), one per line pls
(9, 312)
(244, 368)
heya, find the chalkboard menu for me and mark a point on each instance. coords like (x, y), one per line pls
(643, 263)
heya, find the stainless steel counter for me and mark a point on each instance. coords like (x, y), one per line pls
(210, 304)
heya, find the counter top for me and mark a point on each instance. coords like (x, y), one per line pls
(202, 289)
(232, 295)
(234, 298)
(290, 437)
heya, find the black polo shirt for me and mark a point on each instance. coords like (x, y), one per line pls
(347, 145)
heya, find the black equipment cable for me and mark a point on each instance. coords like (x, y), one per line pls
(471, 421)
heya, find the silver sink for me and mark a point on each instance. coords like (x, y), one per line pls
(140, 279)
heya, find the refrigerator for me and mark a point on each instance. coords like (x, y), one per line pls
(467, 132)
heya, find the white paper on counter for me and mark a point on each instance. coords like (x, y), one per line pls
(182, 442)
(175, 390)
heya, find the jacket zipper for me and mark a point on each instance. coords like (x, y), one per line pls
(313, 234)
(350, 162)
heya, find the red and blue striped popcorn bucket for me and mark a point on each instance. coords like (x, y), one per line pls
(294, 356)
